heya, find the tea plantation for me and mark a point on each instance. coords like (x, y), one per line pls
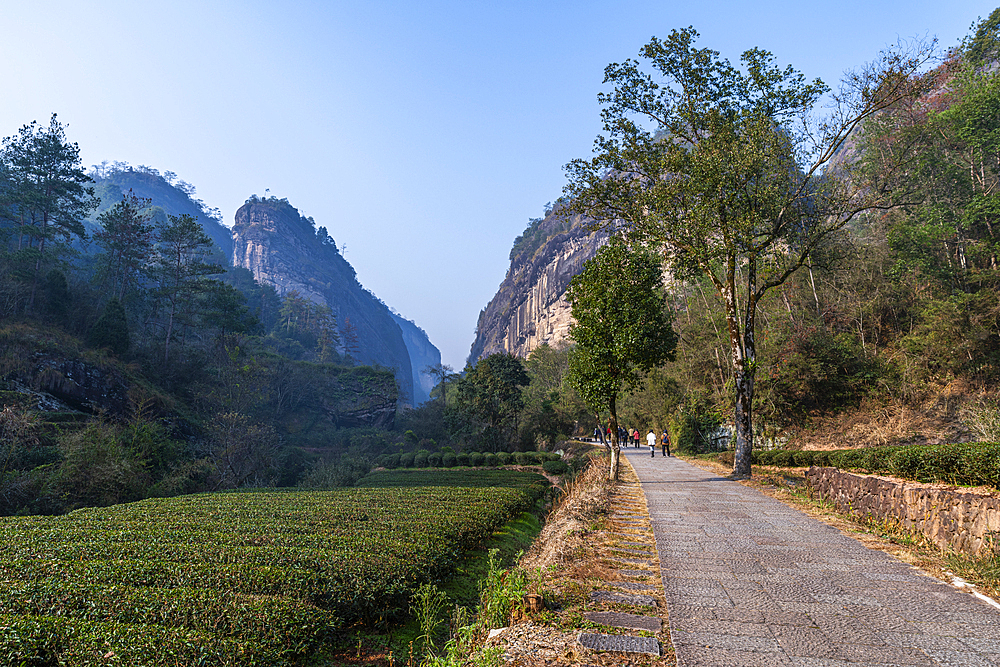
(254, 578)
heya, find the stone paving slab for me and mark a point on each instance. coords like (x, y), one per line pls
(623, 598)
(614, 619)
(631, 585)
(750, 581)
(620, 643)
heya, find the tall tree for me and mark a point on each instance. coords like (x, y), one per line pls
(621, 327)
(46, 197)
(184, 274)
(728, 172)
(444, 374)
(127, 239)
(490, 393)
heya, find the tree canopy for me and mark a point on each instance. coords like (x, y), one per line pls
(621, 327)
(728, 171)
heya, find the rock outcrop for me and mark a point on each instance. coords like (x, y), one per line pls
(530, 308)
(422, 354)
(284, 249)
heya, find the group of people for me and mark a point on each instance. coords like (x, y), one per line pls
(632, 436)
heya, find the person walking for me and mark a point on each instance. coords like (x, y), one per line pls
(651, 440)
(637, 438)
(665, 442)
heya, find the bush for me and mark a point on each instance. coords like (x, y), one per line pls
(476, 459)
(504, 458)
(490, 460)
(973, 464)
(555, 467)
(521, 458)
(406, 460)
(462, 458)
(434, 459)
(448, 460)
(420, 459)
(392, 461)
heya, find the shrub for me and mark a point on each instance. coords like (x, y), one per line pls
(448, 460)
(490, 460)
(406, 460)
(476, 459)
(434, 459)
(392, 461)
(521, 458)
(420, 459)
(555, 467)
(504, 458)
(462, 458)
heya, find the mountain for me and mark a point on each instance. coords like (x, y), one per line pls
(422, 354)
(530, 308)
(168, 195)
(284, 249)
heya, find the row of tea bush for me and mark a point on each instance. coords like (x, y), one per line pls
(968, 464)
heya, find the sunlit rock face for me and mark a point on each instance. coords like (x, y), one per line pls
(284, 249)
(530, 308)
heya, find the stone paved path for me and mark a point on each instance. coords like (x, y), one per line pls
(750, 581)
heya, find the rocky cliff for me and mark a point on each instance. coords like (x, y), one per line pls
(422, 354)
(284, 249)
(530, 307)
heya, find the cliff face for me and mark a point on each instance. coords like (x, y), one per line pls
(530, 307)
(422, 354)
(282, 248)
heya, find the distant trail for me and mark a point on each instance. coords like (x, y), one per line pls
(751, 581)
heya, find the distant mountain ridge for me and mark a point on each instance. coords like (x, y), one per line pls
(284, 249)
(169, 196)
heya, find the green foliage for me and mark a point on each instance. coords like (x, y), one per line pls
(555, 467)
(420, 459)
(490, 396)
(969, 464)
(711, 163)
(111, 329)
(275, 573)
(814, 369)
(330, 474)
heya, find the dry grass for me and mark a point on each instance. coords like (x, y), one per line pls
(574, 552)
(936, 419)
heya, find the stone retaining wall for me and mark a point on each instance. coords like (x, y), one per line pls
(951, 518)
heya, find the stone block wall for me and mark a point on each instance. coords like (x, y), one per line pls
(951, 518)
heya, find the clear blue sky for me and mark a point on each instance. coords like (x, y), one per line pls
(423, 135)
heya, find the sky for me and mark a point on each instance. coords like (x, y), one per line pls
(423, 135)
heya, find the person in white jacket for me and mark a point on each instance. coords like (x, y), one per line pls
(651, 440)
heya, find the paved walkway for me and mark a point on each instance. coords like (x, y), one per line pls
(750, 581)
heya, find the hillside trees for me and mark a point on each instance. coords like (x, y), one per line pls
(43, 197)
(490, 396)
(183, 272)
(725, 170)
(127, 239)
(620, 328)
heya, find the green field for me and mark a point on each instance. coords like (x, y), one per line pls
(256, 578)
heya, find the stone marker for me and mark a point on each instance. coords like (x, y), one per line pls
(623, 598)
(629, 621)
(621, 643)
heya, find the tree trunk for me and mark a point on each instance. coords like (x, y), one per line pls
(745, 367)
(615, 445)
